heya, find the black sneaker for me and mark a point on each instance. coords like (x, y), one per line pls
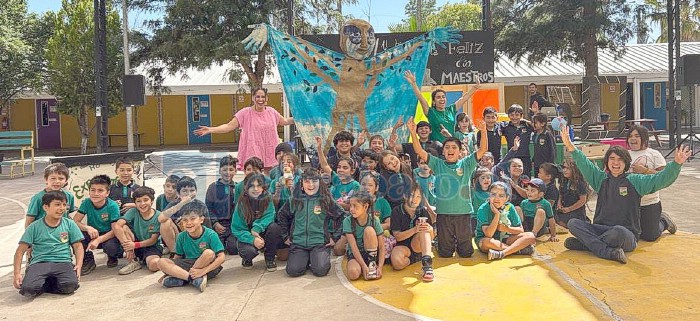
(574, 244)
(528, 250)
(618, 255)
(247, 264)
(112, 262)
(88, 264)
(670, 226)
(271, 265)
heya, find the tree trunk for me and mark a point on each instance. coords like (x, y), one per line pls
(590, 61)
(84, 128)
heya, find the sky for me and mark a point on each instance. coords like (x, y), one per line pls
(380, 13)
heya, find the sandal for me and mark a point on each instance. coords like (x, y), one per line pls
(428, 275)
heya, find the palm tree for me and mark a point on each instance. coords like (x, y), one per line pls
(690, 19)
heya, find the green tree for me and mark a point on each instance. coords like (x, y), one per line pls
(70, 56)
(21, 57)
(690, 19)
(463, 16)
(571, 29)
(427, 8)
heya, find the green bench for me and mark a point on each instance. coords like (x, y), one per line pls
(22, 141)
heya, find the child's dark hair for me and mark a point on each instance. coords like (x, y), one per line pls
(369, 153)
(540, 118)
(185, 181)
(348, 160)
(53, 196)
(228, 160)
(172, 179)
(414, 187)
(434, 93)
(432, 151)
(576, 175)
(454, 140)
(622, 153)
(460, 117)
(375, 137)
(515, 108)
(373, 176)
(142, 191)
(255, 162)
(506, 188)
(123, 160)
(363, 198)
(194, 208)
(343, 135)
(325, 198)
(253, 209)
(56, 168)
(100, 180)
(643, 135)
(403, 169)
(293, 157)
(478, 173)
(552, 170)
(489, 110)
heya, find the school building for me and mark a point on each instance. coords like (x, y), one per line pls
(636, 82)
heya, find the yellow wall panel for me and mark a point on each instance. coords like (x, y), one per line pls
(221, 109)
(22, 115)
(147, 122)
(516, 95)
(70, 134)
(175, 120)
(610, 100)
(117, 125)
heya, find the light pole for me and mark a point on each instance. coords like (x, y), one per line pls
(101, 108)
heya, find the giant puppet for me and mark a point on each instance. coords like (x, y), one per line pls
(356, 90)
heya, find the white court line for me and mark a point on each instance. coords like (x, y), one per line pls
(344, 281)
(8, 242)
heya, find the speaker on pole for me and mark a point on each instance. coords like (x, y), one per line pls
(134, 90)
(689, 70)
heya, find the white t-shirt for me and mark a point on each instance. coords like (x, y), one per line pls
(651, 159)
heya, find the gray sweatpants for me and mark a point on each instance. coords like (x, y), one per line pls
(57, 278)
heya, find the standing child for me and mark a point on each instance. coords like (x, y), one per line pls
(343, 183)
(198, 252)
(549, 174)
(253, 224)
(305, 222)
(544, 143)
(102, 214)
(138, 232)
(522, 129)
(537, 211)
(280, 150)
(376, 144)
(396, 178)
(220, 199)
(453, 191)
(493, 133)
(573, 195)
(56, 177)
(365, 236)
(51, 239)
(464, 131)
(121, 191)
(169, 192)
(412, 226)
(281, 187)
(499, 231)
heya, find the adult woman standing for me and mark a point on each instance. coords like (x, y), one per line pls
(441, 117)
(647, 160)
(258, 125)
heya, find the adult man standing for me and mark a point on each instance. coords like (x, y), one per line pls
(537, 100)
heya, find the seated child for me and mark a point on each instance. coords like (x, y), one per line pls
(253, 224)
(499, 231)
(412, 227)
(50, 269)
(548, 173)
(370, 161)
(573, 195)
(280, 150)
(120, 192)
(252, 165)
(220, 200)
(396, 178)
(365, 236)
(480, 194)
(170, 218)
(169, 192)
(537, 211)
(425, 178)
(138, 232)
(102, 213)
(56, 177)
(198, 251)
(305, 225)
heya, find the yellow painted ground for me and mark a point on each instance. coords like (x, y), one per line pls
(658, 283)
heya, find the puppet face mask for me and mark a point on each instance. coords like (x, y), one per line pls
(357, 39)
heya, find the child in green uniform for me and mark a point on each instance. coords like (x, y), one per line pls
(56, 177)
(169, 192)
(343, 184)
(464, 131)
(51, 238)
(253, 224)
(280, 150)
(365, 236)
(281, 187)
(483, 178)
(138, 232)
(198, 252)
(101, 213)
(305, 222)
(170, 217)
(453, 191)
(537, 211)
(252, 165)
(499, 232)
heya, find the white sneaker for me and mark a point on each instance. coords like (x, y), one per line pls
(130, 268)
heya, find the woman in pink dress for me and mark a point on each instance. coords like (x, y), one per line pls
(258, 125)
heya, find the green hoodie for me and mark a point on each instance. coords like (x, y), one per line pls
(307, 225)
(240, 228)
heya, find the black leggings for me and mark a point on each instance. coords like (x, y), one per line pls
(272, 237)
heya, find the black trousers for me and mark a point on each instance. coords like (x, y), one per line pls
(272, 237)
(454, 232)
(318, 258)
(227, 239)
(111, 247)
(57, 278)
(650, 222)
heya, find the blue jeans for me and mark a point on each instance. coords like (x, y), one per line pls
(602, 239)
